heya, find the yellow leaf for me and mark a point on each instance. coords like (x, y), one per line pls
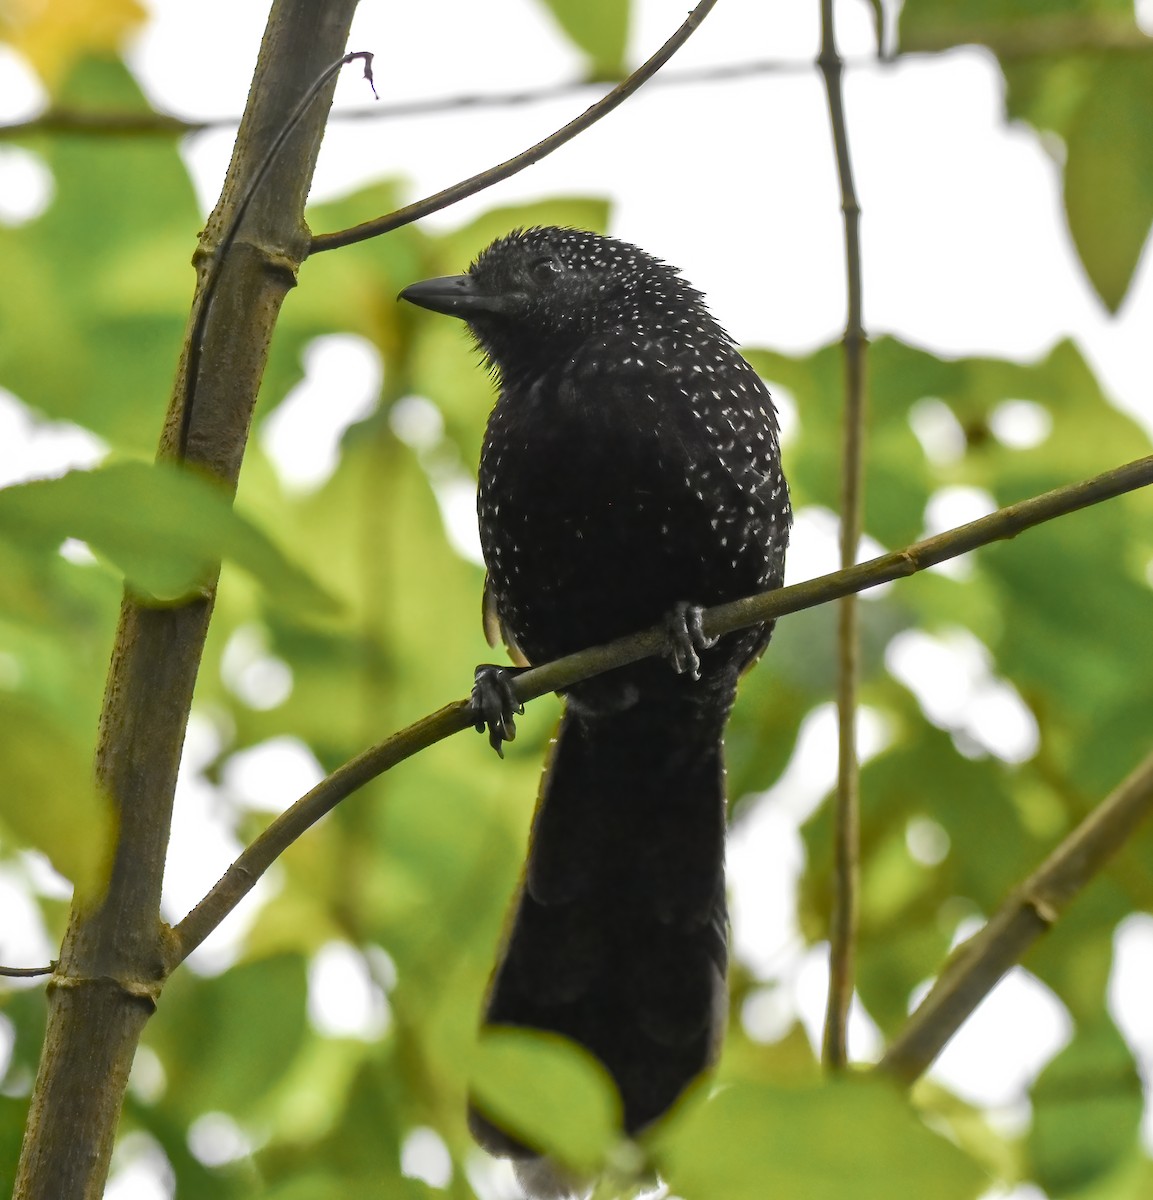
(54, 34)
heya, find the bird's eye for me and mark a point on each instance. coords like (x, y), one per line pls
(543, 270)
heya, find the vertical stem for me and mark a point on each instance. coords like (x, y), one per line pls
(843, 921)
(117, 951)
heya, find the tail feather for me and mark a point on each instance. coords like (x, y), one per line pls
(619, 933)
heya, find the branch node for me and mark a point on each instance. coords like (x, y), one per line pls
(146, 990)
(1044, 908)
(214, 263)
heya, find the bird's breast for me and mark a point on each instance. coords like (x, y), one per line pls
(607, 498)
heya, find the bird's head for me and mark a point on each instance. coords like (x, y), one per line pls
(539, 293)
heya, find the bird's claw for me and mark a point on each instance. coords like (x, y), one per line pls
(494, 704)
(686, 639)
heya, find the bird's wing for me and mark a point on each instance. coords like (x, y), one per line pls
(495, 630)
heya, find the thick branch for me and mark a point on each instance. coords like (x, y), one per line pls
(477, 183)
(239, 879)
(846, 815)
(975, 968)
(116, 952)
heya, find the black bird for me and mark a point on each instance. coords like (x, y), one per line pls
(630, 475)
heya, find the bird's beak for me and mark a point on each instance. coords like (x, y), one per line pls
(456, 295)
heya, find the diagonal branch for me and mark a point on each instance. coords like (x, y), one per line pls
(240, 877)
(1033, 908)
(477, 183)
(846, 814)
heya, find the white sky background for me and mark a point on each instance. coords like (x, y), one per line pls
(964, 241)
(965, 251)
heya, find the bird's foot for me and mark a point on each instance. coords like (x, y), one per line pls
(686, 639)
(494, 704)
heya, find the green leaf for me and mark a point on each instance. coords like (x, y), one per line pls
(162, 526)
(226, 1042)
(898, 482)
(830, 1141)
(1081, 69)
(600, 28)
(1061, 609)
(550, 1092)
(48, 795)
(1109, 172)
(96, 289)
(1087, 1107)
(13, 1114)
(318, 1185)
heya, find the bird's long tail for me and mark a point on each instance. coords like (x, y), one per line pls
(619, 931)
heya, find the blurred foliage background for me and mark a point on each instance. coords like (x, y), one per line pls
(347, 610)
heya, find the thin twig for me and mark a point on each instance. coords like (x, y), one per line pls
(1032, 909)
(1021, 41)
(27, 972)
(477, 183)
(135, 124)
(110, 123)
(216, 263)
(285, 829)
(846, 817)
